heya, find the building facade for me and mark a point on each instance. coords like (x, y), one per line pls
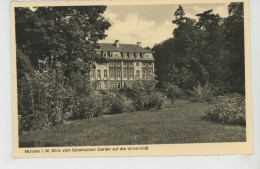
(124, 64)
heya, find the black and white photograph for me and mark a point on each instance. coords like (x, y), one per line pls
(130, 76)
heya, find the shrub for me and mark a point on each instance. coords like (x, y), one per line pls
(149, 102)
(144, 95)
(84, 101)
(228, 110)
(46, 97)
(40, 97)
(202, 93)
(172, 91)
(115, 103)
(121, 104)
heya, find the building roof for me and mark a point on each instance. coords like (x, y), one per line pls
(134, 48)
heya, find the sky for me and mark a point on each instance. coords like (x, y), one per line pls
(150, 24)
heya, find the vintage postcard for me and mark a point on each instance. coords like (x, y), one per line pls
(131, 78)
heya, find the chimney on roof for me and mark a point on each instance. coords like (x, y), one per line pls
(138, 43)
(117, 43)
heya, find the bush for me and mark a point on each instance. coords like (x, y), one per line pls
(83, 101)
(40, 97)
(115, 103)
(172, 91)
(144, 95)
(46, 97)
(202, 93)
(228, 110)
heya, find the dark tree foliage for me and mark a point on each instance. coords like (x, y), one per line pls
(234, 45)
(66, 34)
(55, 48)
(209, 50)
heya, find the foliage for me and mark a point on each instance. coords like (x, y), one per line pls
(55, 48)
(228, 110)
(115, 103)
(172, 91)
(144, 95)
(46, 97)
(40, 95)
(234, 45)
(63, 34)
(202, 93)
(208, 50)
(121, 104)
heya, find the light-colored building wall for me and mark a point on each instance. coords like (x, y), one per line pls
(115, 63)
(139, 68)
(102, 68)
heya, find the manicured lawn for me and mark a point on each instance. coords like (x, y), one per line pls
(178, 123)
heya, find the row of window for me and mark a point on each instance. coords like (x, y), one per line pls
(118, 73)
(112, 85)
(127, 63)
(125, 55)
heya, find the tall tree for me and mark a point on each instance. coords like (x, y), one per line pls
(66, 34)
(234, 43)
(211, 53)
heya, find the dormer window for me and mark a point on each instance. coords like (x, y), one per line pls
(104, 54)
(124, 55)
(137, 55)
(98, 53)
(130, 55)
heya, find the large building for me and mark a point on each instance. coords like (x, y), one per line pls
(124, 64)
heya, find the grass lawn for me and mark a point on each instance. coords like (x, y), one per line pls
(178, 123)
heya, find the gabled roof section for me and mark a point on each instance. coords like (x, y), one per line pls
(110, 47)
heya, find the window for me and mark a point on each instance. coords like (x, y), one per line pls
(150, 73)
(112, 73)
(99, 53)
(118, 85)
(150, 64)
(98, 87)
(125, 84)
(116, 55)
(98, 73)
(112, 85)
(118, 73)
(105, 73)
(137, 55)
(137, 64)
(117, 63)
(144, 72)
(91, 74)
(131, 74)
(137, 73)
(130, 55)
(125, 73)
(111, 54)
(111, 64)
(124, 64)
(143, 64)
(105, 54)
(124, 55)
(130, 64)
(106, 85)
